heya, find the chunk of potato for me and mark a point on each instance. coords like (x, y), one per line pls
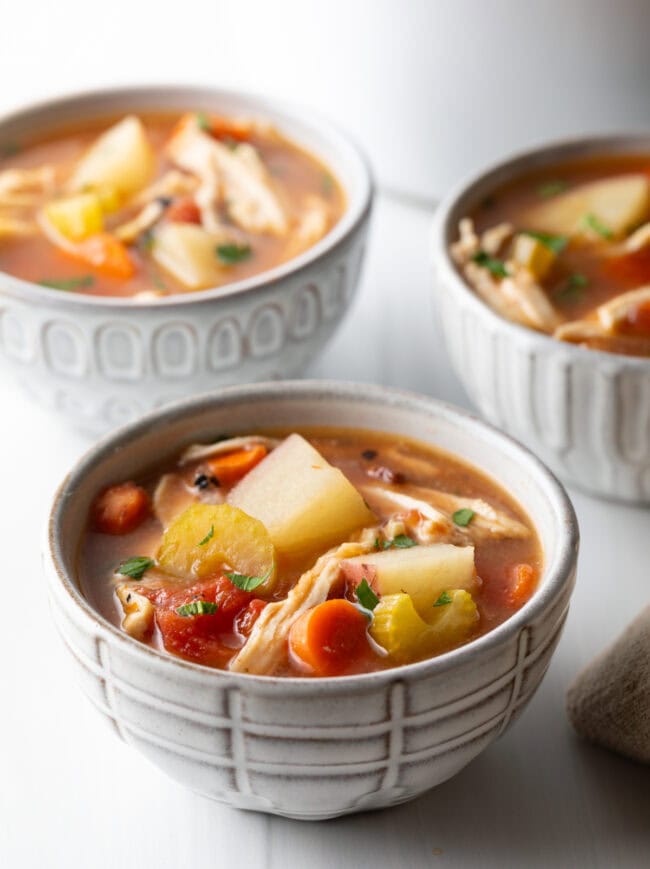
(618, 204)
(398, 627)
(531, 253)
(189, 253)
(205, 537)
(121, 158)
(422, 572)
(306, 504)
(76, 217)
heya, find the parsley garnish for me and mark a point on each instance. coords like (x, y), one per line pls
(207, 537)
(203, 121)
(495, 266)
(463, 516)
(551, 188)
(556, 243)
(233, 253)
(79, 283)
(197, 608)
(444, 599)
(402, 541)
(366, 596)
(247, 583)
(135, 567)
(572, 289)
(592, 222)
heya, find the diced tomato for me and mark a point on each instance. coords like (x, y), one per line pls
(231, 467)
(229, 129)
(184, 210)
(200, 638)
(523, 582)
(330, 638)
(246, 618)
(631, 270)
(120, 509)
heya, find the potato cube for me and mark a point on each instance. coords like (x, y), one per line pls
(533, 254)
(189, 253)
(306, 504)
(76, 217)
(120, 158)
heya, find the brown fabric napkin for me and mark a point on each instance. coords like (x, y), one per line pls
(609, 702)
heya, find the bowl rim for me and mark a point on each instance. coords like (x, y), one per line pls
(561, 571)
(357, 207)
(507, 169)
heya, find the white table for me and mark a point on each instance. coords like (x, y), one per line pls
(72, 796)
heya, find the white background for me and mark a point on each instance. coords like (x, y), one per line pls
(71, 795)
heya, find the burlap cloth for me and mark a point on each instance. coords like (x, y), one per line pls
(609, 702)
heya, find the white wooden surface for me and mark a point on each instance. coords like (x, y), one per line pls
(72, 796)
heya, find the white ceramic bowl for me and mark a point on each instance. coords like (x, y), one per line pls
(583, 412)
(313, 748)
(103, 361)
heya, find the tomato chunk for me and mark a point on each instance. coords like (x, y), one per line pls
(120, 509)
(184, 210)
(246, 618)
(638, 320)
(330, 638)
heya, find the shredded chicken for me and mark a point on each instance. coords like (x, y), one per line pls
(522, 289)
(145, 219)
(615, 312)
(489, 289)
(238, 175)
(493, 239)
(203, 451)
(266, 649)
(172, 183)
(16, 226)
(639, 239)
(590, 333)
(40, 180)
(468, 244)
(311, 227)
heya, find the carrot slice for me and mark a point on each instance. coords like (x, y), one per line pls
(231, 467)
(328, 638)
(105, 253)
(120, 509)
(524, 580)
(638, 320)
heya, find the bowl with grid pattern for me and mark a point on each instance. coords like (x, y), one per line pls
(100, 361)
(299, 747)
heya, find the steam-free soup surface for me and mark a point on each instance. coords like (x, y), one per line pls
(566, 250)
(324, 553)
(149, 205)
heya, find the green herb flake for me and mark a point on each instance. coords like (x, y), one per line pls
(207, 537)
(572, 290)
(9, 149)
(403, 541)
(463, 516)
(556, 243)
(203, 121)
(444, 599)
(327, 184)
(230, 254)
(197, 608)
(68, 284)
(247, 583)
(495, 266)
(592, 222)
(135, 567)
(366, 596)
(551, 188)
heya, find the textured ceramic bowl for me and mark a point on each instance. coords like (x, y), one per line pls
(100, 362)
(583, 412)
(313, 748)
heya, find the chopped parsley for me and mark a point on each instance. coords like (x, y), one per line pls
(203, 121)
(572, 290)
(444, 599)
(463, 516)
(197, 608)
(556, 243)
(366, 596)
(402, 541)
(551, 188)
(495, 266)
(68, 284)
(592, 222)
(247, 583)
(135, 567)
(230, 254)
(207, 537)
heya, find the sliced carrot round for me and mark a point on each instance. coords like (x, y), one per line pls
(328, 639)
(231, 467)
(120, 509)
